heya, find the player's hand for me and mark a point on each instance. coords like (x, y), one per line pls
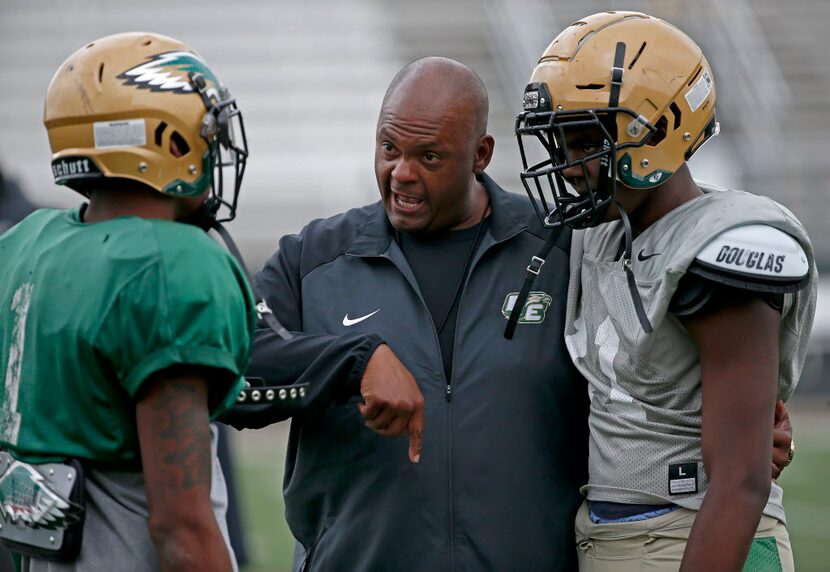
(782, 437)
(392, 403)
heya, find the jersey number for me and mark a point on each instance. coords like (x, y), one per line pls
(9, 416)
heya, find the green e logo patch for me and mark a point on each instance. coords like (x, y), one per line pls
(535, 308)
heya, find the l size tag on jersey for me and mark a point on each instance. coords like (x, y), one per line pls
(682, 478)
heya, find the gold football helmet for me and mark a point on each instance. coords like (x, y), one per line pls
(146, 108)
(645, 89)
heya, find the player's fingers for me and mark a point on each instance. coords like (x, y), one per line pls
(780, 412)
(781, 439)
(416, 433)
(779, 459)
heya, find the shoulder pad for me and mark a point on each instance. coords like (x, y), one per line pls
(754, 257)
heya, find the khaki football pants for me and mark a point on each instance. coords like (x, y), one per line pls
(657, 544)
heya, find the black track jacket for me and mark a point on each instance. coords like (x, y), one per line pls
(503, 455)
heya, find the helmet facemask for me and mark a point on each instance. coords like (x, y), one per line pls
(224, 131)
(554, 136)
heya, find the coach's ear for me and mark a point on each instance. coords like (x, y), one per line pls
(484, 152)
(782, 440)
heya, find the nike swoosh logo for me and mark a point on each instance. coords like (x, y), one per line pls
(351, 322)
(643, 257)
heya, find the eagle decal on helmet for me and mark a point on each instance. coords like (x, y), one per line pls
(169, 72)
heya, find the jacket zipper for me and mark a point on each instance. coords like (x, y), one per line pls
(450, 507)
(448, 397)
(450, 502)
(448, 389)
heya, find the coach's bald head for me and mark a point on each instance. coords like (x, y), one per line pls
(443, 81)
(432, 142)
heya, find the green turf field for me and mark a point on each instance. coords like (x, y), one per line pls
(259, 459)
(806, 482)
(806, 490)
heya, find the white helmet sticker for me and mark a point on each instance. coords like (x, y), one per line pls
(127, 133)
(700, 91)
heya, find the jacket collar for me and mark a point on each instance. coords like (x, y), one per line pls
(507, 220)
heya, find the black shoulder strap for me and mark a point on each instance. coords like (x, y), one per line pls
(255, 388)
(629, 273)
(262, 309)
(533, 270)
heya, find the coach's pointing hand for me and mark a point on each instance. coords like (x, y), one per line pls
(392, 402)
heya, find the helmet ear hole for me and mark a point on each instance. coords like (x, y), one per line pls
(658, 136)
(178, 145)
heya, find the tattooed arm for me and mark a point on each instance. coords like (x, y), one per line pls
(172, 417)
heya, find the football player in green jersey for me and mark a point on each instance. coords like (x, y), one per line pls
(124, 331)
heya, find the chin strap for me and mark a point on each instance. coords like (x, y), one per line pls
(256, 390)
(533, 270)
(262, 309)
(611, 174)
(629, 273)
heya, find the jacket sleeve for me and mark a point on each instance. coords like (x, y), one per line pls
(307, 371)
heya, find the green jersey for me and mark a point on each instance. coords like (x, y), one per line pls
(90, 311)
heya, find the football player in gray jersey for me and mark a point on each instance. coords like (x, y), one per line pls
(689, 306)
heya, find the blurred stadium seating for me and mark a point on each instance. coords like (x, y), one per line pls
(310, 77)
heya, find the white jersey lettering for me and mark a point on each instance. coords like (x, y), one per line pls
(9, 415)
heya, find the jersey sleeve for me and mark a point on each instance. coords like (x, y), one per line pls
(190, 305)
(694, 292)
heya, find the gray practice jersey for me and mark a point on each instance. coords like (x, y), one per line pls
(645, 389)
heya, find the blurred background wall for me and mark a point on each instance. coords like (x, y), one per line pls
(309, 76)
